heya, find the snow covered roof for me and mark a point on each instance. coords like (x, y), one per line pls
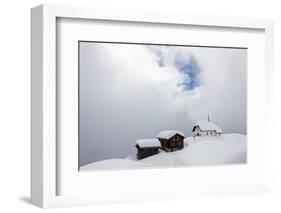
(148, 143)
(167, 134)
(208, 126)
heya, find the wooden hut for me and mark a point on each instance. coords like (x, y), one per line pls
(171, 140)
(147, 147)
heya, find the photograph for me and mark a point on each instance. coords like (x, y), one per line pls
(145, 105)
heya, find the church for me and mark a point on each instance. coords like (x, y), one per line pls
(205, 128)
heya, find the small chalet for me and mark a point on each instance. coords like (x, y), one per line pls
(204, 128)
(147, 147)
(171, 140)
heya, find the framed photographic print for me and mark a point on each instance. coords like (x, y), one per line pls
(149, 106)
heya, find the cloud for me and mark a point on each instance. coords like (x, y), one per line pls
(182, 60)
(128, 92)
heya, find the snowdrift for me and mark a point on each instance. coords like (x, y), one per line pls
(207, 150)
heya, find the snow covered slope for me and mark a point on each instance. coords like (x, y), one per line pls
(208, 150)
(114, 164)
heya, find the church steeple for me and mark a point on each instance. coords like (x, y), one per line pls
(209, 117)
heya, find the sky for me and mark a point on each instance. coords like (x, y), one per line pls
(134, 91)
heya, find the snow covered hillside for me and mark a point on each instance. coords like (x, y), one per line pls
(205, 150)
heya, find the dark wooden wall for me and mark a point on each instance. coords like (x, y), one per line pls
(146, 152)
(174, 143)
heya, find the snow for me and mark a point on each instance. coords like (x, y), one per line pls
(113, 164)
(204, 150)
(230, 150)
(208, 125)
(167, 134)
(148, 143)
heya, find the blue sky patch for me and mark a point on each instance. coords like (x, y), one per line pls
(191, 70)
(185, 64)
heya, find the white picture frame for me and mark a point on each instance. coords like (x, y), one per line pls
(46, 167)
